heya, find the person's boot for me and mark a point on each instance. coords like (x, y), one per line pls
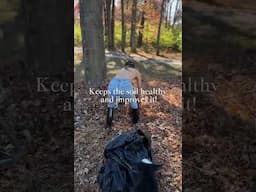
(135, 116)
(109, 118)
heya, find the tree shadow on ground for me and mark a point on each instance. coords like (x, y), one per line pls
(150, 67)
(153, 68)
(157, 69)
(143, 55)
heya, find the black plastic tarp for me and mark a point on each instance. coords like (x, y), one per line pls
(128, 165)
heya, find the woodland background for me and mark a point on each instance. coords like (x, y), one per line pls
(149, 33)
(218, 141)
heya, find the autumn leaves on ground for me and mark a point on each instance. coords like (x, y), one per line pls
(161, 121)
(218, 149)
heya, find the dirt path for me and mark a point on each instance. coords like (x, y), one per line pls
(160, 120)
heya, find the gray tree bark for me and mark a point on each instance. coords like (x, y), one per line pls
(105, 19)
(133, 27)
(93, 43)
(176, 13)
(112, 43)
(159, 28)
(170, 15)
(108, 24)
(123, 42)
(167, 9)
(142, 21)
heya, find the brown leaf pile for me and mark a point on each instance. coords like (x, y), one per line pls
(161, 121)
(219, 137)
(44, 139)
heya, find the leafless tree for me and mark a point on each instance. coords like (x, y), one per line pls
(141, 27)
(159, 28)
(133, 26)
(123, 43)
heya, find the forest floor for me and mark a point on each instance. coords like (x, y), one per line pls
(161, 120)
(219, 137)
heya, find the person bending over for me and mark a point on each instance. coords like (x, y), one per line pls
(121, 88)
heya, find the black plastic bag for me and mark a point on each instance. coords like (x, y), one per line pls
(128, 165)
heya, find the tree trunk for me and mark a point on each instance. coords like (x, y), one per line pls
(105, 19)
(159, 28)
(123, 27)
(108, 25)
(142, 21)
(167, 8)
(112, 43)
(133, 27)
(175, 13)
(93, 43)
(170, 14)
